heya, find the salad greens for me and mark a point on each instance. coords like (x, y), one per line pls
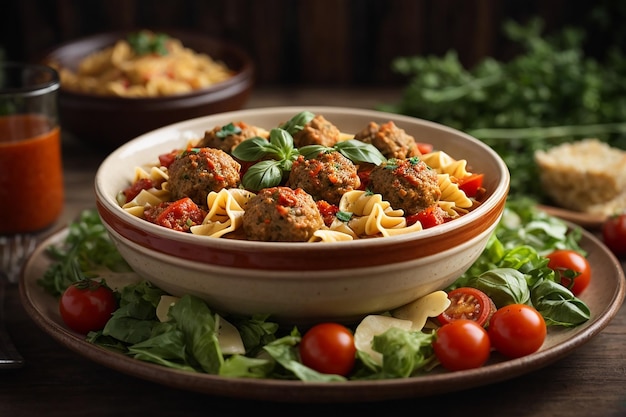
(512, 268)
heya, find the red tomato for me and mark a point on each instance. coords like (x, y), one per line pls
(469, 304)
(471, 184)
(614, 233)
(429, 217)
(424, 148)
(135, 188)
(462, 344)
(87, 305)
(517, 330)
(364, 176)
(328, 348)
(327, 210)
(166, 159)
(571, 266)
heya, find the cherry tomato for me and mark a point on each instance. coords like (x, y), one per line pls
(87, 305)
(470, 304)
(462, 344)
(614, 233)
(471, 184)
(571, 266)
(328, 348)
(517, 330)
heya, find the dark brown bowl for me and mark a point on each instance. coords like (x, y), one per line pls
(108, 122)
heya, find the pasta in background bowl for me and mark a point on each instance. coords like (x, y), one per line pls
(115, 105)
(302, 282)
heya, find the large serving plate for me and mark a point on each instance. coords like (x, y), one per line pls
(604, 297)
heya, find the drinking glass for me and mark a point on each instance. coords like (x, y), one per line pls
(31, 172)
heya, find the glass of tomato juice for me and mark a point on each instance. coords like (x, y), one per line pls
(31, 171)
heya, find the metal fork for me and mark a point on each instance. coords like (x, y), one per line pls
(15, 250)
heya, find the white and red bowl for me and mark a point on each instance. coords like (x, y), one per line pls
(302, 282)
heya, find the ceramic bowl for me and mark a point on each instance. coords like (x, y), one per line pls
(107, 121)
(302, 282)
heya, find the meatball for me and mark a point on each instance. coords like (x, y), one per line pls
(407, 184)
(390, 140)
(228, 137)
(176, 215)
(318, 131)
(327, 177)
(198, 171)
(281, 214)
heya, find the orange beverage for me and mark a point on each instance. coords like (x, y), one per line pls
(31, 180)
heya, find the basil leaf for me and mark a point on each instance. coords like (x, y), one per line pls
(311, 151)
(503, 285)
(297, 122)
(252, 149)
(263, 174)
(358, 151)
(281, 143)
(227, 130)
(557, 304)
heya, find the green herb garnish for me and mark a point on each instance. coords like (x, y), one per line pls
(145, 43)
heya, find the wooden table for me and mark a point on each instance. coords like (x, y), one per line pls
(55, 381)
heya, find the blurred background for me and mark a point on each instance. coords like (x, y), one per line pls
(338, 42)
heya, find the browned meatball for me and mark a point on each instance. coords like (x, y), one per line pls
(390, 140)
(228, 137)
(198, 171)
(327, 177)
(318, 131)
(281, 214)
(407, 184)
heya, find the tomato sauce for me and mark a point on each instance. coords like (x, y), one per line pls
(31, 175)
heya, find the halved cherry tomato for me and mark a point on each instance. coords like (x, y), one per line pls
(467, 303)
(573, 269)
(87, 305)
(517, 330)
(328, 348)
(471, 184)
(614, 233)
(462, 344)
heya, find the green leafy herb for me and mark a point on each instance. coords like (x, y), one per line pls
(86, 253)
(227, 130)
(145, 42)
(354, 150)
(297, 122)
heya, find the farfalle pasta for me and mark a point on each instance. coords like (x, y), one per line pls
(226, 209)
